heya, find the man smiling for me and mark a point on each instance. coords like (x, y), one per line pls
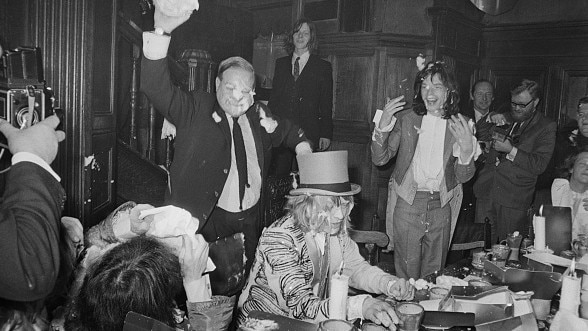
(506, 184)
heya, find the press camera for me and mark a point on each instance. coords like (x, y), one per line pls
(24, 98)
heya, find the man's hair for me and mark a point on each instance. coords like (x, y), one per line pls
(235, 62)
(437, 68)
(311, 211)
(312, 42)
(583, 101)
(527, 85)
(479, 81)
(141, 275)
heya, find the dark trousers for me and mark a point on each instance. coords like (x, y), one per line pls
(503, 220)
(222, 223)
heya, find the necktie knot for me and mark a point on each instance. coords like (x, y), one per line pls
(296, 72)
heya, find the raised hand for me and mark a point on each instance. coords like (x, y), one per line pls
(392, 107)
(462, 131)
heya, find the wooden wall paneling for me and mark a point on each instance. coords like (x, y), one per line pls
(367, 67)
(505, 78)
(64, 31)
(574, 85)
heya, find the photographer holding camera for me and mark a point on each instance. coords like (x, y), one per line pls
(30, 213)
(519, 153)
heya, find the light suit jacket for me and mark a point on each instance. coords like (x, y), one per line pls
(402, 142)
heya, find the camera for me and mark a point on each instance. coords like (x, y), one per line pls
(500, 133)
(24, 98)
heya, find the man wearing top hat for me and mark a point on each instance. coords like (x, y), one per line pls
(299, 253)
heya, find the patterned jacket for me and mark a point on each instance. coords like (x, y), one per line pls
(284, 278)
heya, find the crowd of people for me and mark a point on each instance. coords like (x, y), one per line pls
(155, 261)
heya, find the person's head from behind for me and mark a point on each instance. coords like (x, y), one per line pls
(436, 91)
(524, 99)
(141, 275)
(235, 84)
(583, 116)
(302, 38)
(482, 95)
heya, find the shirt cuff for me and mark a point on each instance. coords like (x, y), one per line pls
(303, 148)
(355, 306)
(30, 157)
(513, 153)
(198, 290)
(378, 134)
(155, 46)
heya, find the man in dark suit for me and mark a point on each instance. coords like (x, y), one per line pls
(223, 143)
(482, 96)
(29, 213)
(506, 184)
(302, 91)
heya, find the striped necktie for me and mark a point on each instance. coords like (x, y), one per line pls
(297, 68)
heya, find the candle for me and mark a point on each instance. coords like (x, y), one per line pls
(539, 227)
(570, 291)
(338, 296)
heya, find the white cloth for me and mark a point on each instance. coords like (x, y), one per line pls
(229, 198)
(562, 195)
(155, 46)
(427, 162)
(30, 157)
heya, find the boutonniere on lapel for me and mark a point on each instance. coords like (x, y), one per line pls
(418, 130)
(265, 117)
(215, 117)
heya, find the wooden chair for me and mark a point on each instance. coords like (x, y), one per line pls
(373, 240)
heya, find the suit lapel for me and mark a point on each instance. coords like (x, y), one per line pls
(308, 69)
(220, 118)
(253, 117)
(448, 145)
(415, 122)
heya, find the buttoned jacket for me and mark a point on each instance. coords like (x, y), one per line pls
(512, 183)
(202, 156)
(307, 101)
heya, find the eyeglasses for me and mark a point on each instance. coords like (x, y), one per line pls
(521, 105)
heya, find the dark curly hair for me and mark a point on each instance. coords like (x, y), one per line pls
(437, 68)
(312, 43)
(141, 275)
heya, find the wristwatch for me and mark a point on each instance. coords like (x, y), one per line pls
(160, 32)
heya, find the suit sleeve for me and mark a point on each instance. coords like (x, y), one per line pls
(29, 227)
(287, 133)
(326, 103)
(364, 276)
(385, 145)
(177, 106)
(535, 161)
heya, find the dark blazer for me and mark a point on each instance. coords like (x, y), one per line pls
(308, 101)
(512, 184)
(30, 214)
(202, 156)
